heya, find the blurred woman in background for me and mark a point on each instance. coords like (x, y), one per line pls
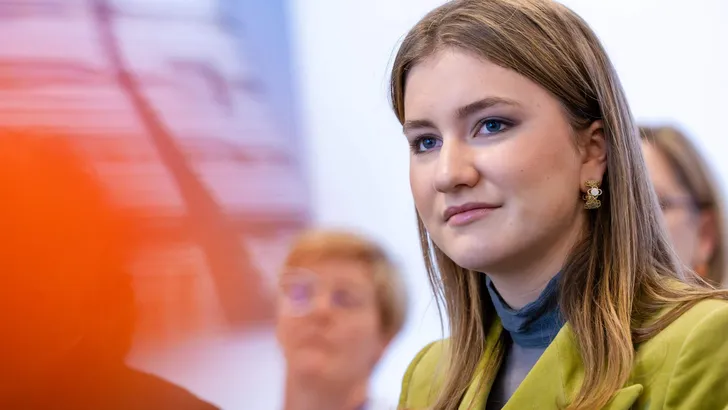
(690, 199)
(340, 304)
(539, 225)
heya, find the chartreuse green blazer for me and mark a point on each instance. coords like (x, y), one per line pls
(684, 367)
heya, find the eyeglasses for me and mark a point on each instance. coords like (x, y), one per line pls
(674, 202)
(301, 290)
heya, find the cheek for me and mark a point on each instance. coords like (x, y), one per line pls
(679, 223)
(542, 175)
(682, 230)
(531, 180)
(286, 331)
(423, 192)
(358, 337)
(674, 225)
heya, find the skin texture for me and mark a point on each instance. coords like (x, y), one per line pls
(482, 133)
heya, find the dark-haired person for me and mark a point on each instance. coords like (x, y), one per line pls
(66, 297)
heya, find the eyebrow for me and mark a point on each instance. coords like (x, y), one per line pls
(462, 112)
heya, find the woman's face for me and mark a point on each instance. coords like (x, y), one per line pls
(329, 323)
(691, 230)
(483, 136)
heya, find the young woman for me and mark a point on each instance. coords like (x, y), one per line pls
(539, 226)
(690, 198)
(340, 304)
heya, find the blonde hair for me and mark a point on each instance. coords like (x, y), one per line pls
(624, 271)
(694, 174)
(317, 245)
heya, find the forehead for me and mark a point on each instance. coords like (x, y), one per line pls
(661, 173)
(450, 79)
(340, 270)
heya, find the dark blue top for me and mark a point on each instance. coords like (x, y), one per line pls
(536, 324)
(530, 329)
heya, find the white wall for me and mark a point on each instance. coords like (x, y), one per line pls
(358, 156)
(672, 59)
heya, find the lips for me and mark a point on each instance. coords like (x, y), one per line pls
(469, 208)
(314, 340)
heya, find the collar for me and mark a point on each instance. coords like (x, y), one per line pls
(536, 324)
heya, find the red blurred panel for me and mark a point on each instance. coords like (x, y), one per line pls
(180, 130)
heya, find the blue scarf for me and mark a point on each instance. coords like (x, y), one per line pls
(536, 324)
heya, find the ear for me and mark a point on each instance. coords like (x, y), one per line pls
(707, 238)
(593, 151)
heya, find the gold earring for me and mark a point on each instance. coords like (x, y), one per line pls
(592, 194)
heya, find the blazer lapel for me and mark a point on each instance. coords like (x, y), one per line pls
(475, 395)
(557, 377)
(552, 382)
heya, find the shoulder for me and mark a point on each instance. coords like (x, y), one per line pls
(708, 317)
(155, 392)
(691, 355)
(419, 385)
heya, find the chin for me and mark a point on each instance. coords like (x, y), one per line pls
(475, 252)
(310, 370)
(477, 262)
(311, 364)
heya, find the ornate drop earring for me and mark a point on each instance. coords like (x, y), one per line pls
(593, 192)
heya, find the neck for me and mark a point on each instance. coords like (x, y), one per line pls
(306, 395)
(521, 282)
(518, 295)
(536, 324)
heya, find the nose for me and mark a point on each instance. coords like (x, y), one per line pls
(321, 305)
(455, 167)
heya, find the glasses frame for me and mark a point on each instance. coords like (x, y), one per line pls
(321, 288)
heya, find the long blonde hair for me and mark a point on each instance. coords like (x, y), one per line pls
(697, 178)
(624, 271)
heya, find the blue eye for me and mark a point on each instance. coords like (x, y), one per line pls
(492, 126)
(425, 144)
(428, 143)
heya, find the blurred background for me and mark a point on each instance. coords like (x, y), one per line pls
(234, 124)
